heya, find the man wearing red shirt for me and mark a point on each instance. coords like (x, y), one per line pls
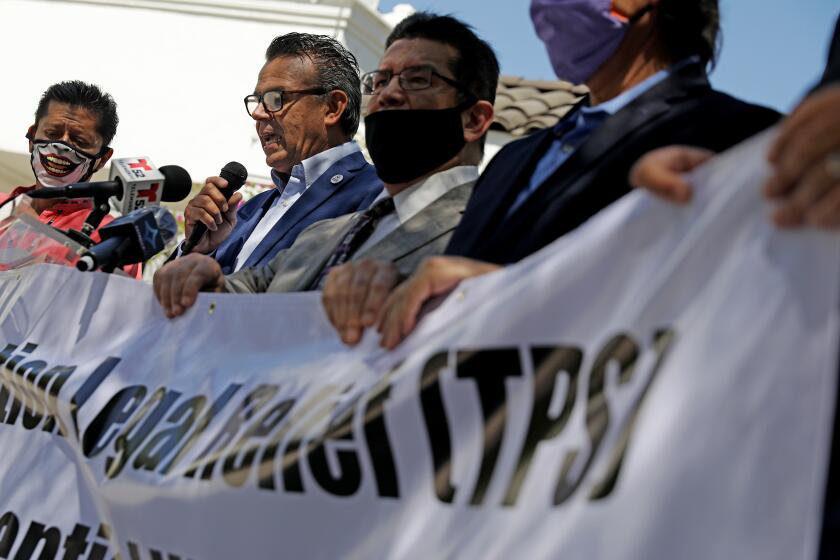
(74, 125)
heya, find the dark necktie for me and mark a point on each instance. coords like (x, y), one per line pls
(361, 230)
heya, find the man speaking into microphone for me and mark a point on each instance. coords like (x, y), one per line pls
(69, 141)
(306, 106)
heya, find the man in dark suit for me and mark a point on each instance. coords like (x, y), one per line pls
(508, 220)
(430, 106)
(306, 107)
(805, 158)
(645, 65)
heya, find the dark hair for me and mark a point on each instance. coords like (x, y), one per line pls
(336, 66)
(689, 28)
(86, 96)
(476, 65)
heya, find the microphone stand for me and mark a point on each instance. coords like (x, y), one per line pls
(100, 210)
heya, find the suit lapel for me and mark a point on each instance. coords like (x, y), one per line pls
(634, 117)
(320, 191)
(611, 137)
(302, 267)
(617, 130)
(438, 218)
(247, 219)
(490, 201)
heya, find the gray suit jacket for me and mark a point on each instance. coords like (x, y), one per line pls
(297, 268)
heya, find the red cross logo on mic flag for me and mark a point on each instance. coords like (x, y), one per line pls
(141, 164)
(151, 193)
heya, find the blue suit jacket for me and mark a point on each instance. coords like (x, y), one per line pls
(358, 187)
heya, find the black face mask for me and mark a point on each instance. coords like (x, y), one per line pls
(405, 144)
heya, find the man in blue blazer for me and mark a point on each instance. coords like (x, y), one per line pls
(306, 107)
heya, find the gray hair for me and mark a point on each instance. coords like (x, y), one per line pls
(336, 66)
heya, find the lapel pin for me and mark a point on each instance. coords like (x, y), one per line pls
(336, 179)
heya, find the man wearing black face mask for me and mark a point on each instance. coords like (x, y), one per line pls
(645, 63)
(430, 104)
(74, 125)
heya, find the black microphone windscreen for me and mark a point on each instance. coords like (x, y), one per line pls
(235, 174)
(177, 183)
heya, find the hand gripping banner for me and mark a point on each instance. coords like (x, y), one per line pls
(658, 384)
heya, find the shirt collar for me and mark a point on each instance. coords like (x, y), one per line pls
(310, 170)
(410, 201)
(614, 105)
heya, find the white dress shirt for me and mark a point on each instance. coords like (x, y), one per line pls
(302, 177)
(410, 201)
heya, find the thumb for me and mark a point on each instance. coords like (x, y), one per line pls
(690, 157)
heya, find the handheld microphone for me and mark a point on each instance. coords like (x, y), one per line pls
(130, 239)
(235, 174)
(135, 182)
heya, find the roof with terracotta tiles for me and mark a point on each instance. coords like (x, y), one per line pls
(524, 106)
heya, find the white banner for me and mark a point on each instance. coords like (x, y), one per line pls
(659, 384)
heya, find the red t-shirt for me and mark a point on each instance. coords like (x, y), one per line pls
(71, 214)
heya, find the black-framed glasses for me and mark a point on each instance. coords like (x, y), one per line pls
(412, 78)
(272, 101)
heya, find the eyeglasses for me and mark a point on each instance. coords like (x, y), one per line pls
(411, 79)
(272, 101)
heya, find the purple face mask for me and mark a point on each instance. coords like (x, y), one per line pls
(579, 35)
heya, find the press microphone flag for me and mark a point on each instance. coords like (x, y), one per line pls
(134, 183)
(130, 239)
(142, 183)
(146, 185)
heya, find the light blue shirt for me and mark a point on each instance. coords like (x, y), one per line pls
(571, 133)
(303, 175)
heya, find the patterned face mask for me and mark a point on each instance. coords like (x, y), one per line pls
(58, 164)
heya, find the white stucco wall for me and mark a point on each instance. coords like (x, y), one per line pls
(177, 69)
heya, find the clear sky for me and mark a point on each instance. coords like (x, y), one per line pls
(772, 49)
